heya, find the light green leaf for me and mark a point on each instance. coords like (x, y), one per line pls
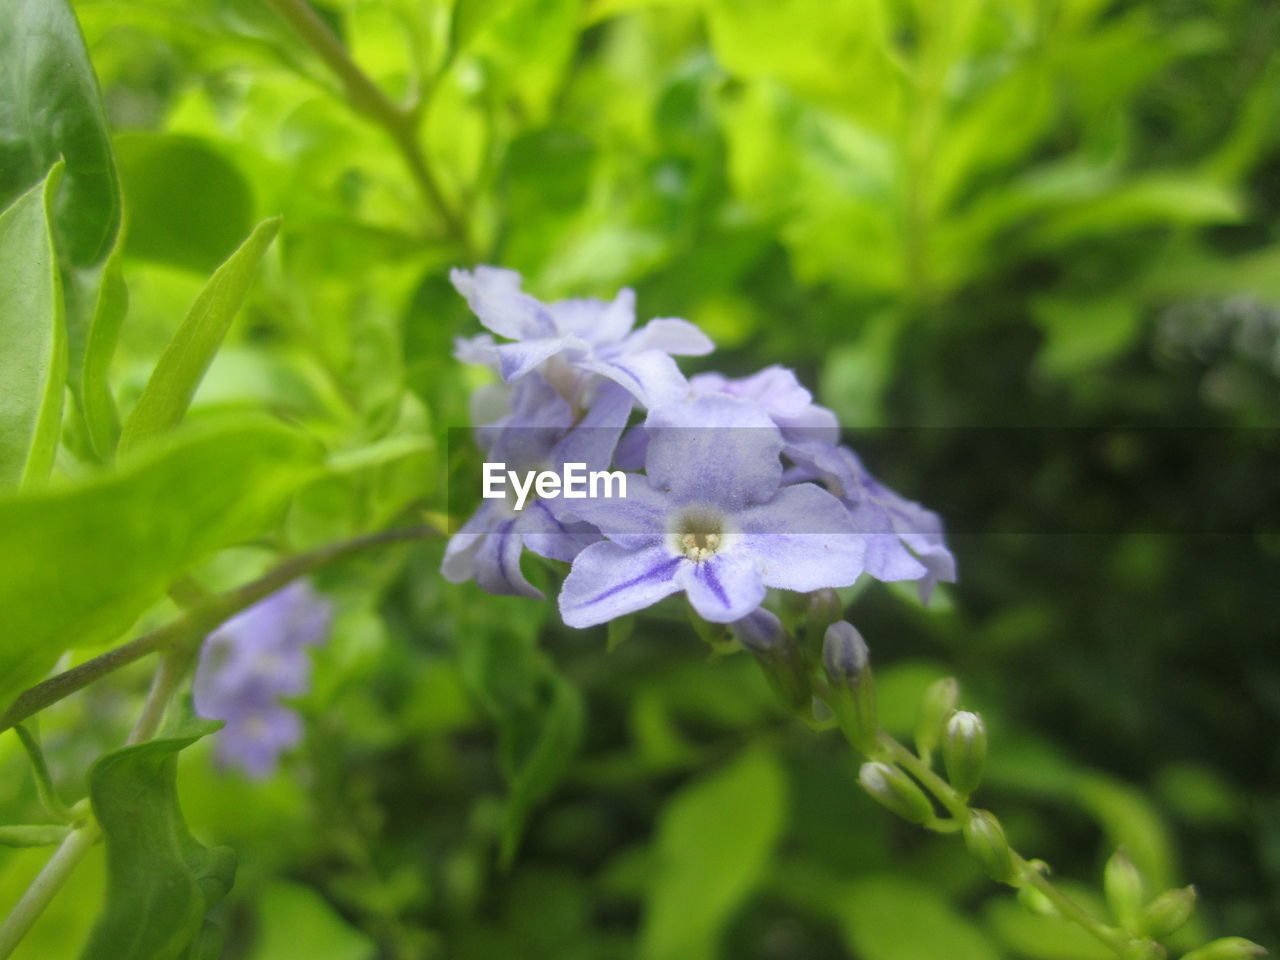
(298, 922)
(50, 108)
(160, 881)
(216, 209)
(715, 839)
(891, 918)
(33, 342)
(180, 368)
(78, 564)
(97, 301)
(535, 768)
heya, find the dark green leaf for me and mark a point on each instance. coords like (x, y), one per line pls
(887, 918)
(78, 564)
(33, 343)
(160, 881)
(180, 368)
(50, 108)
(558, 733)
(216, 209)
(714, 842)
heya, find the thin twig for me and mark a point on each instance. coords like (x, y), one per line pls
(195, 623)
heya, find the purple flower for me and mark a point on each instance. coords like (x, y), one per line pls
(248, 664)
(540, 434)
(572, 342)
(711, 518)
(905, 541)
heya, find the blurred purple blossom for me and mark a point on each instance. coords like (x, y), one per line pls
(252, 661)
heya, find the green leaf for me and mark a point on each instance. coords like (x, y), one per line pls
(1040, 937)
(535, 770)
(78, 564)
(298, 922)
(50, 108)
(1080, 334)
(180, 368)
(216, 209)
(469, 18)
(715, 839)
(160, 881)
(1132, 821)
(97, 301)
(890, 918)
(33, 341)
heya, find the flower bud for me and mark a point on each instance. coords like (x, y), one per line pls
(936, 708)
(762, 633)
(1228, 948)
(1144, 950)
(1036, 902)
(895, 791)
(824, 609)
(964, 751)
(985, 839)
(1124, 889)
(1169, 912)
(847, 663)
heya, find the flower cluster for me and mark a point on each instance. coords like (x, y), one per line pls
(249, 664)
(733, 486)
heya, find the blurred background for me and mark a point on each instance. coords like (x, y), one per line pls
(950, 219)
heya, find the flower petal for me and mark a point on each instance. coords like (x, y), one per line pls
(723, 589)
(609, 580)
(651, 376)
(671, 335)
(494, 296)
(598, 322)
(637, 520)
(547, 536)
(497, 563)
(803, 539)
(714, 449)
(516, 360)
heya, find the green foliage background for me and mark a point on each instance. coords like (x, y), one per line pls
(977, 213)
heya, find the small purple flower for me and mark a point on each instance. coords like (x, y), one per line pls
(540, 434)
(574, 341)
(248, 664)
(710, 518)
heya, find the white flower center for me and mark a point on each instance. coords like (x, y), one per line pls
(698, 533)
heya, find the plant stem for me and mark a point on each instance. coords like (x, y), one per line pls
(196, 623)
(958, 806)
(368, 99)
